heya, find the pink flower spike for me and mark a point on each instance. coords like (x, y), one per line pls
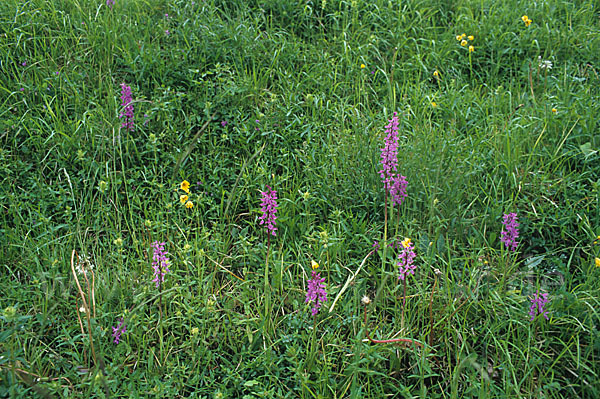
(538, 303)
(406, 259)
(316, 292)
(510, 235)
(118, 330)
(268, 207)
(160, 262)
(394, 183)
(127, 112)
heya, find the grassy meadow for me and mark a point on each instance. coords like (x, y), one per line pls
(498, 112)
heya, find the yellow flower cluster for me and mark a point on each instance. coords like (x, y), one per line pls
(184, 198)
(596, 259)
(526, 20)
(464, 40)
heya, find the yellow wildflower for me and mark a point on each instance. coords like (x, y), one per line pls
(362, 66)
(597, 261)
(463, 43)
(463, 35)
(436, 73)
(185, 186)
(458, 38)
(526, 20)
(406, 243)
(183, 198)
(433, 104)
(554, 110)
(471, 37)
(314, 265)
(471, 49)
(189, 204)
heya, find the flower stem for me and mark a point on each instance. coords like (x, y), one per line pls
(389, 341)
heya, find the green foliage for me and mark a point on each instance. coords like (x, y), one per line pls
(236, 95)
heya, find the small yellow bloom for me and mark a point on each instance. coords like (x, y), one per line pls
(458, 38)
(463, 35)
(314, 265)
(406, 243)
(471, 37)
(183, 198)
(185, 186)
(554, 110)
(471, 49)
(597, 261)
(362, 66)
(189, 204)
(436, 73)
(526, 20)
(463, 43)
(433, 104)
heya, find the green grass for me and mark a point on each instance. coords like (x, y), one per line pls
(504, 136)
